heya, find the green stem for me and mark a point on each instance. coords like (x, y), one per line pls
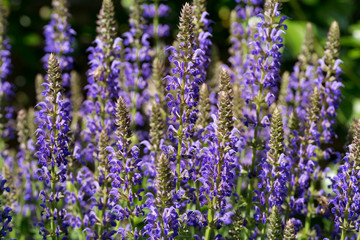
(156, 27)
(131, 218)
(208, 232)
(178, 157)
(240, 179)
(291, 192)
(79, 210)
(162, 221)
(102, 117)
(136, 88)
(102, 213)
(180, 131)
(343, 231)
(197, 187)
(255, 143)
(2, 148)
(53, 170)
(132, 223)
(345, 223)
(263, 233)
(52, 224)
(309, 209)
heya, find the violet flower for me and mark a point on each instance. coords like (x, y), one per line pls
(344, 204)
(263, 72)
(59, 39)
(183, 85)
(241, 33)
(262, 77)
(6, 214)
(26, 164)
(274, 176)
(217, 169)
(330, 82)
(137, 68)
(302, 79)
(202, 32)
(53, 151)
(103, 85)
(122, 172)
(157, 30)
(159, 224)
(6, 88)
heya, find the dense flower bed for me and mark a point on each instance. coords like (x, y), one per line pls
(167, 144)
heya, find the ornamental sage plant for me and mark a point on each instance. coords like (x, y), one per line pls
(59, 39)
(183, 85)
(53, 152)
(163, 148)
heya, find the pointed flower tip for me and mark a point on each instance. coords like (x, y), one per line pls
(224, 75)
(335, 27)
(52, 57)
(204, 90)
(334, 33)
(123, 121)
(289, 231)
(309, 26)
(186, 13)
(223, 71)
(54, 75)
(276, 111)
(309, 34)
(186, 6)
(233, 16)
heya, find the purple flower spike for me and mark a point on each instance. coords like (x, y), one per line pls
(59, 39)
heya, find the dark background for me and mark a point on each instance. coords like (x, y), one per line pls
(28, 17)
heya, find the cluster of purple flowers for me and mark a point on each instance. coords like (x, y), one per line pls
(6, 88)
(5, 211)
(179, 156)
(59, 38)
(137, 68)
(53, 150)
(156, 11)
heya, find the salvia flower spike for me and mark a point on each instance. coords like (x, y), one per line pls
(343, 184)
(6, 88)
(329, 82)
(59, 39)
(289, 231)
(275, 224)
(185, 83)
(53, 151)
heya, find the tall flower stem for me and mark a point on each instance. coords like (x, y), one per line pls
(52, 60)
(53, 142)
(225, 125)
(264, 74)
(183, 59)
(309, 208)
(180, 130)
(255, 145)
(344, 230)
(211, 213)
(156, 27)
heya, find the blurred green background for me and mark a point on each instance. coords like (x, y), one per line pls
(27, 19)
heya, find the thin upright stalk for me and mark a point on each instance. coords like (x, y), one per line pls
(180, 130)
(309, 208)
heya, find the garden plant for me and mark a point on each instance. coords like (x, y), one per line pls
(167, 142)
